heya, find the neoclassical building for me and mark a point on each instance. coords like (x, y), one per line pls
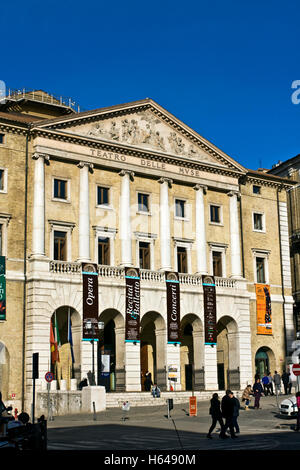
(133, 186)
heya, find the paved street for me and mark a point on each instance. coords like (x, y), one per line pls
(149, 428)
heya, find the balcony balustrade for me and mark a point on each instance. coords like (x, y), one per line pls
(116, 272)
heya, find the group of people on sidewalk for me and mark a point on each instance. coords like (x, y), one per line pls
(229, 410)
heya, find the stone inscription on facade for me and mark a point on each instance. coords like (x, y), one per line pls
(116, 157)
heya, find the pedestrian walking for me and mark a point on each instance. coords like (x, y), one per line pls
(216, 416)
(270, 386)
(285, 380)
(265, 383)
(258, 392)
(227, 412)
(277, 382)
(246, 396)
(236, 412)
(298, 414)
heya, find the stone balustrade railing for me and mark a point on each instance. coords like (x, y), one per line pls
(115, 272)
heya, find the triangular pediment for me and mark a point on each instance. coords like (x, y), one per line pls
(144, 126)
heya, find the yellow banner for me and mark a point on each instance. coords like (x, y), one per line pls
(263, 309)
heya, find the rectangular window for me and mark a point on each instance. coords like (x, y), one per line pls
(181, 260)
(258, 221)
(2, 138)
(103, 251)
(60, 246)
(179, 208)
(102, 196)
(260, 271)
(143, 202)
(1, 180)
(144, 255)
(60, 189)
(215, 214)
(217, 263)
(256, 189)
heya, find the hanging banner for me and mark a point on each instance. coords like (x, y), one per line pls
(210, 309)
(173, 307)
(2, 288)
(263, 309)
(132, 323)
(90, 301)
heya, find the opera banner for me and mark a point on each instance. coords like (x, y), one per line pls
(132, 316)
(173, 307)
(263, 309)
(210, 309)
(90, 301)
(2, 288)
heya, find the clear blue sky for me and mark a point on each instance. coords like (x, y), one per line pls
(225, 68)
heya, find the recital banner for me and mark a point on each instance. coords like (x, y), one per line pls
(210, 309)
(90, 301)
(132, 323)
(263, 309)
(2, 288)
(173, 307)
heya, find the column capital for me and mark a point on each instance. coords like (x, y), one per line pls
(234, 193)
(46, 158)
(165, 180)
(127, 172)
(89, 165)
(200, 186)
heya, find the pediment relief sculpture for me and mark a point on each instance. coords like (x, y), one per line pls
(145, 130)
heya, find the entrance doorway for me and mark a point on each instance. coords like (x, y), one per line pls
(107, 358)
(262, 364)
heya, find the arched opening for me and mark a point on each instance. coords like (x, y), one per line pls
(66, 325)
(111, 369)
(4, 371)
(191, 353)
(153, 341)
(228, 354)
(264, 361)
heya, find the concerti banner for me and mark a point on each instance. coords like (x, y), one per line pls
(210, 309)
(173, 307)
(90, 301)
(132, 316)
(263, 309)
(2, 288)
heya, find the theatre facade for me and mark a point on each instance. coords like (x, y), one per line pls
(131, 186)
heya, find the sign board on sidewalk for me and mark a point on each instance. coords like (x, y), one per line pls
(193, 406)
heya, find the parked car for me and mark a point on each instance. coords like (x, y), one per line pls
(288, 407)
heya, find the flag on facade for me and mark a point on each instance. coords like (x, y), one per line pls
(70, 338)
(57, 338)
(53, 346)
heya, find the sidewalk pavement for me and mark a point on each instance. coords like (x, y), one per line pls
(154, 416)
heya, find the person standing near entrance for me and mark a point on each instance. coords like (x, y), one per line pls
(216, 415)
(277, 382)
(236, 412)
(148, 381)
(258, 392)
(285, 380)
(265, 382)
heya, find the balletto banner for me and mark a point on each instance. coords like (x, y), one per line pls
(2, 288)
(132, 317)
(210, 309)
(173, 307)
(90, 301)
(263, 309)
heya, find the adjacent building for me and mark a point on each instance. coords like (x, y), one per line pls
(133, 186)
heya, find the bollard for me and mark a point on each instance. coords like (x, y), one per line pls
(94, 410)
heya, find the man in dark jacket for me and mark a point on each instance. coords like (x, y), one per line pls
(286, 380)
(216, 415)
(227, 412)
